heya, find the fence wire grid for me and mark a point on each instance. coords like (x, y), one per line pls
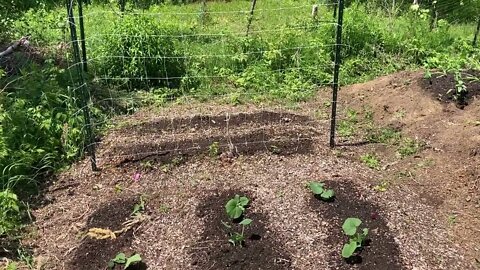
(208, 50)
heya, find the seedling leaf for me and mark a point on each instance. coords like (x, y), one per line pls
(226, 225)
(328, 194)
(236, 206)
(120, 258)
(132, 260)
(246, 222)
(244, 201)
(316, 188)
(349, 249)
(350, 226)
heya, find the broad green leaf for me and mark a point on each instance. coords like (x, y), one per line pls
(349, 249)
(316, 188)
(350, 226)
(328, 194)
(244, 201)
(236, 206)
(246, 222)
(132, 260)
(120, 258)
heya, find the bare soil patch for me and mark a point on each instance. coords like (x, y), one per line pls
(94, 253)
(261, 250)
(381, 252)
(443, 87)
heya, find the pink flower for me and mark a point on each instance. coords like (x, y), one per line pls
(136, 176)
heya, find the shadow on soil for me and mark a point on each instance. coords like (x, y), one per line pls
(213, 251)
(295, 141)
(199, 122)
(95, 254)
(381, 251)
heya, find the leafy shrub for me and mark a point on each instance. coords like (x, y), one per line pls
(40, 128)
(9, 212)
(142, 53)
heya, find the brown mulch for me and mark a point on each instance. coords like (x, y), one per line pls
(271, 153)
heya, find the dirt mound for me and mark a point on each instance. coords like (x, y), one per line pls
(446, 173)
(163, 140)
(96, 253)
(261, 249)
(348, 202)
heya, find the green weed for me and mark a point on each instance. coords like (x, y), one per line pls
(383, 135)
(409, 147)
(370, 160)
(214, 149)
(346, 128)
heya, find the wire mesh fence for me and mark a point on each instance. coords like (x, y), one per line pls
(105, 60)
(240, 50)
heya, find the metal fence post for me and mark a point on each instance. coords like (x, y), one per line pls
(82, 86)
(82, 35)
(336, 72)
(250, 17)
(475, 38)
(335, 7)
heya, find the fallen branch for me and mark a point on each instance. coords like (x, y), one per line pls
(22, 42)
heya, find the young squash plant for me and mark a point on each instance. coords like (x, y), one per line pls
(356, 238)
(235, 208)
(121, 258)
(319, 190)
(238, 238)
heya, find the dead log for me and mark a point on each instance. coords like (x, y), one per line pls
(23, 42)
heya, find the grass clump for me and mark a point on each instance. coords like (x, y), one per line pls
(370, 160)
(409, 147)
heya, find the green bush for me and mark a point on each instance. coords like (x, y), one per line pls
(9, 212)
(40, 128)
(142, 53)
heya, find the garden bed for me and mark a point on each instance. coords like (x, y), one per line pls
(444, 86)
(400, 201)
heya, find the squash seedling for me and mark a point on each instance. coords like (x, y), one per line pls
(121, 258)
(236, 206)
(139, 207)
(320, 191)
(356, 239)
(238, 238)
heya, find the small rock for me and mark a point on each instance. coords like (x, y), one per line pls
(468, 199)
